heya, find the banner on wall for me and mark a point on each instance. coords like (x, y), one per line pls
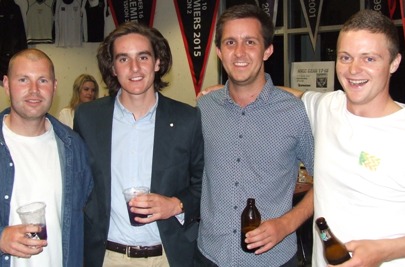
(313, 76)
(269, 6)
(197, 22)
(402, 3)
(312, 14)
(142, 11)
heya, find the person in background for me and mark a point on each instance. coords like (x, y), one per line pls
(85, 89)
(255, 136)
(137, 136)
(359, 135)
(40, 160)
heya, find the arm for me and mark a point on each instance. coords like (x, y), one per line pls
(372, 253)
(272, 231)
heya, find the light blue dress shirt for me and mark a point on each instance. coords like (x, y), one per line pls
(131, 165)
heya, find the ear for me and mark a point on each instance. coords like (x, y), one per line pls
(55, 86)
(268, 52)
(395, 63)
(6, 85)
(157, 65)
(113, 71)
(219, 53)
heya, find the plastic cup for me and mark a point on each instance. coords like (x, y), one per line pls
(34, 213)
(130, 193)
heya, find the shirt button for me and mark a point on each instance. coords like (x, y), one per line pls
(235, 207)
(7, 258)
(236, 183)
(243, 113)
(238, 160)
(235, 231)
(6, 197)
(240, 136)
(10, 164)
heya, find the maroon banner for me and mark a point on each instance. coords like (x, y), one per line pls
(312, 14)
(197, 22)
(142, 11)
(392, 5)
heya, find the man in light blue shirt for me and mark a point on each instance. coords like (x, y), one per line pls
(138, 137)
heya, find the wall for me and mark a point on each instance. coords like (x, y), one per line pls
(70, 62)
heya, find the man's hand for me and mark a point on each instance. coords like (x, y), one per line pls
(267, 235)
(368, 253)
(15, 241)
(158, 207)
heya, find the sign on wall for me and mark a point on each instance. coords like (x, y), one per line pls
(313, 76)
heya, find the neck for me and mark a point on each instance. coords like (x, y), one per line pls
(376, 111)
(138, 105)
(23, 127)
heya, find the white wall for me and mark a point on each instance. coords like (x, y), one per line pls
(70, 62)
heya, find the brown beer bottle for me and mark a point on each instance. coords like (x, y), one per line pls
(334, 250)
(250, 220)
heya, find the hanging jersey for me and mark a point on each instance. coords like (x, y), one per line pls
(68, 23)
(39, 21)
(93, 20)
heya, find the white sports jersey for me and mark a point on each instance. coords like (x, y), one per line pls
(39, 21)
(68, 23)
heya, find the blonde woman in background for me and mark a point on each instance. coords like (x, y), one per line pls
(85, 89)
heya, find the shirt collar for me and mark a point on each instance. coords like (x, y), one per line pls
(264, 96)
(122, 112)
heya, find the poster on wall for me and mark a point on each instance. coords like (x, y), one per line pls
(313, 76)
(197, 22)
(142, 11)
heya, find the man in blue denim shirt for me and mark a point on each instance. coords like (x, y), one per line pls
(40, 160)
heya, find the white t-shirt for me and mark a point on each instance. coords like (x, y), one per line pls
(359, 181)
(37, 178)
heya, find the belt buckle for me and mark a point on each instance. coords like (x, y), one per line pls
(128, 251)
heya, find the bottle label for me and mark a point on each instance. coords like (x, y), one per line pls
(325, 236)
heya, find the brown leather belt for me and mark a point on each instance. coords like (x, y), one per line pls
(135, 251)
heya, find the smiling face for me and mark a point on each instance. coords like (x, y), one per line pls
(30, 85)
(364, 68)
(134, 64)
(243, 53)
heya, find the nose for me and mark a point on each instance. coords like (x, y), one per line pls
(239, 49)
(33, 88)
(134, 65)
(355, 66)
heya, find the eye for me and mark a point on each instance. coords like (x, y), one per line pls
(250, 42)
(369, 59)
(43, 80)
(229, 42)
(122, 59)
(345, 58)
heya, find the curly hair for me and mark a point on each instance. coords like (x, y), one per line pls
(161, 50)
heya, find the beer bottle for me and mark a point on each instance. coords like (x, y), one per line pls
(250, 220)
(334, 250)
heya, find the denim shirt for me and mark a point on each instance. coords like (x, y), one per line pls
(77, 182)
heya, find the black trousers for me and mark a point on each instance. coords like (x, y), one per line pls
(201, 261)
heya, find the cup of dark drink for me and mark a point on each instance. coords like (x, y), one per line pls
(129, 194)
(34, 213)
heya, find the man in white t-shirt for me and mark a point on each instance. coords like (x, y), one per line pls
(359, 184)
(43, 160)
